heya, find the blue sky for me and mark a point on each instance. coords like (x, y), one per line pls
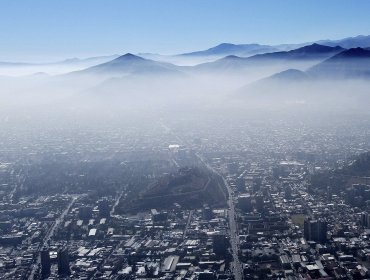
(53, 29)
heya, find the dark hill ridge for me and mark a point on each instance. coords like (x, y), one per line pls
(352, 63)
(347, 65)
(353, 53)
(189, 187)
(238, 49)
(314, 52)
(355, 171)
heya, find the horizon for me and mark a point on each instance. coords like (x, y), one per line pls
(50, 31)
(63, 59)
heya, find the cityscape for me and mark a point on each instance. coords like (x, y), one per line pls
(157, 154)
(245, 209)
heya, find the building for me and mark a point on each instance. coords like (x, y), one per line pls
(104, 208)
(245, 202)
(219, 244)
(315, 230)
(259, 202)
(45, 262)
(365, 219)
(63, 262)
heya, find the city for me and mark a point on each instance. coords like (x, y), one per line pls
(184, 140)
(266, 220)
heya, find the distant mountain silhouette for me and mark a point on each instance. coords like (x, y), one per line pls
(245, 50)
(277, 81)
(225, 49)
(314, 52)
(360, 41)
(290, 75)
(352, 63)
(131, 64)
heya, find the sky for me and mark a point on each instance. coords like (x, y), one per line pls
(41, 30)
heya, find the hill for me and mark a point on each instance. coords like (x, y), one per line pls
(360, 41)
(189, 187)
(356, 170)
(314, 51)
(352, 63)
(130, 64)
(285, 59)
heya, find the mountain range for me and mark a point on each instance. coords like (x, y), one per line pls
(294, 73)
(213, 53)
(245, 50)
(314, 53)
(225, 49)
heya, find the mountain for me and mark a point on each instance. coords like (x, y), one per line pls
(289, 75)
(54, 68)
(131, 64)
(360, 41)
(352, 63)
(225, 49)
(277, 83)
(285, 59)
(246, 50)
(314, 51)
(327, 85)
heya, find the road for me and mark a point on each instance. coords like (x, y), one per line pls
(49, 235)
(123, 193)
(236, 266)
(188, 223)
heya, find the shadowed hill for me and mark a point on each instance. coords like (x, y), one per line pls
(131, 64)
(355, 171)
(286, 59)
(189, 187)
(352, 63)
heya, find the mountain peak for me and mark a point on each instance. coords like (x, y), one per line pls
(129, 56)
(224, 45)
(231, 57)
